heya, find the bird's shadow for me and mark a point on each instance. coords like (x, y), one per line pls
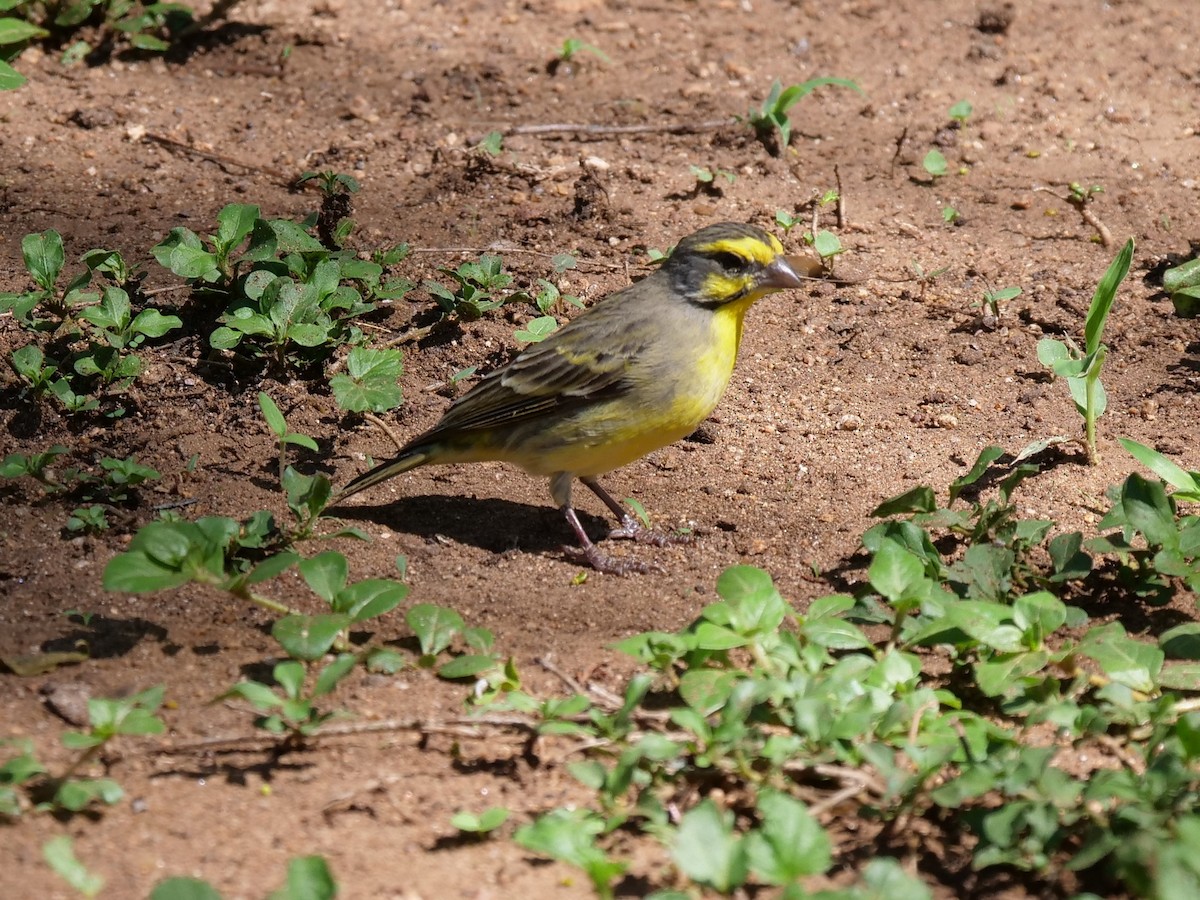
(490, 524)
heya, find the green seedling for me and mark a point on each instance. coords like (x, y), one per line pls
(480, 823)
(569, 51)
(993, 299)
(308, 878)
(1081, 368)
(706, 178)
(59, 853)
(549, 299)
(951, 216)
(826, 244)
(770, 121)
(289, 298)
(961, 111)
(478, 288)
(88, 520)
(283, 435)
(105, 363)
(1081, 198)
(492, 144)
(571, 838)
(371, 383)
(1183, 284)
(437, 628)
(333, 219)
(15, 34)
(23, 778)
(290, 709)
(536, 330)
(786, 220)
(1186, 484)
(935, 163)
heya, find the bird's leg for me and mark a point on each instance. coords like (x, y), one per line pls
(630, 528)
(587, 552)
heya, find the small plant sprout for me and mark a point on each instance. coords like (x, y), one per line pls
(827, 245)
(491, 144)
(786, 220)
(481, 823)
(770, 121)
(926, 279)
(1080, 199)
(951, 216)
(1081, 368)
(1183, 284)
(565, 56)
(333, 220)
(961, 111)
(993, 299)
(935, 164)
(536, 330)
(706, 179)
(283, 434)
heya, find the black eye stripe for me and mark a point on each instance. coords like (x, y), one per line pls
(730, 261)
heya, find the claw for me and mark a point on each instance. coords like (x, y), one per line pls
(633, 530)
(602, 562)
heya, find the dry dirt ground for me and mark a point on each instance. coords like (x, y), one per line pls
(843, 396)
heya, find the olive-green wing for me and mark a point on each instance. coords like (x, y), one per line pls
(584, 362)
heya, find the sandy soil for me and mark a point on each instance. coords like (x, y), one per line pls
(843, 396)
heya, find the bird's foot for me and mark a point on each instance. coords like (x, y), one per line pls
(633, 530)
(591, 555)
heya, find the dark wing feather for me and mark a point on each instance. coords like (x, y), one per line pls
(584, 362)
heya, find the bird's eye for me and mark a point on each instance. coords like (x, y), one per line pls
(730, 261)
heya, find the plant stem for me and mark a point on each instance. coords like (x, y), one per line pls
(1089, 420)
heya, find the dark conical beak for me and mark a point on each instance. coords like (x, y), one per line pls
(789, 272)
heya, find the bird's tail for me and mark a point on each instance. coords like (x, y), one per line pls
(408, 459)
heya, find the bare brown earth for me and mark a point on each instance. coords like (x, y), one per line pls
(843, 396)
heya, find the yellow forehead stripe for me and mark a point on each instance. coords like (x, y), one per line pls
(747, 248)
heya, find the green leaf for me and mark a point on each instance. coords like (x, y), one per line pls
(308, 637)
(707, 850)
(326, 575)
(308, 878)
(488, 820)
(790, 844)
(333, 673)
(467, 666)
(434, 626)
(1149, 511)
(1188, 483)
(182, 887)
(59, 853)
(894, 571)
(1123, 659)
(983, 462)
(935, 163)
(706, 690)
(536, 330)
(44, 257)
(271, 413)
(154, 324)
(1102, 300)
(570, 836)
(369, 598)
(234, 223)
(10, 78)
(920, 499)
(15, 31)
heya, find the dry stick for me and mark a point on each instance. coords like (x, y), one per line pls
(606, 130)
(899, 147)
(1081, 206)
(841, 200)
(379, 423)
(218, 158)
